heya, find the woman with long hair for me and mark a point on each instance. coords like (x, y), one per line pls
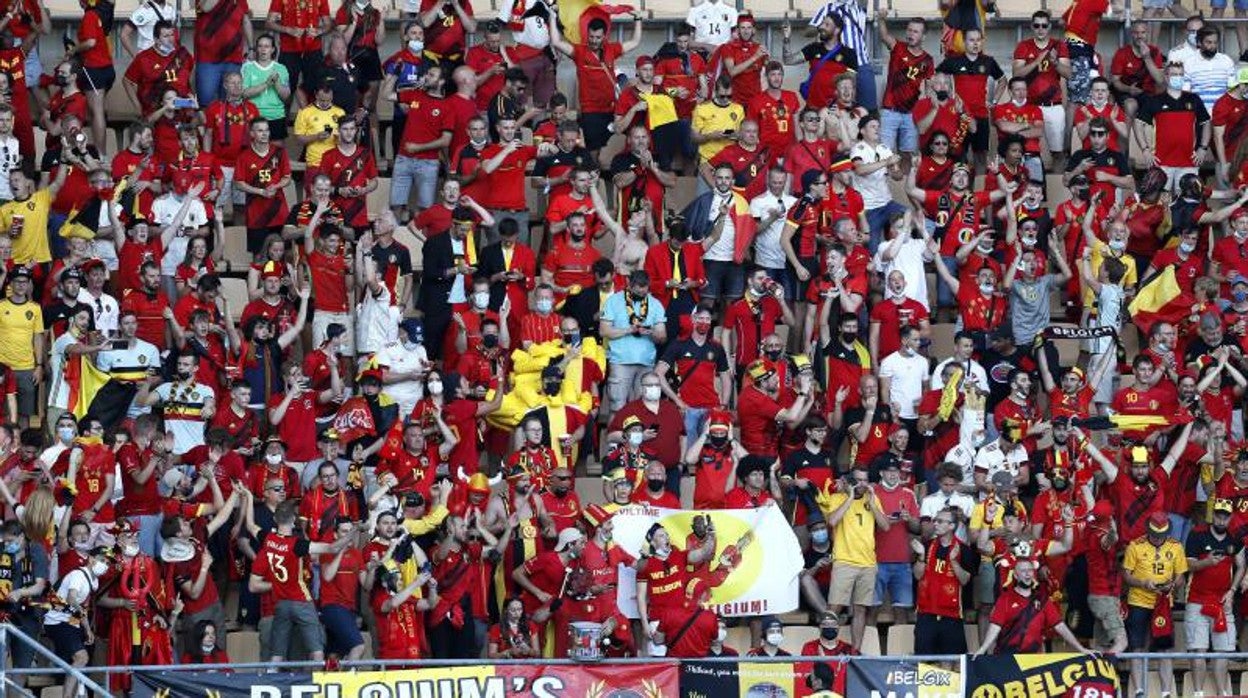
(514, 636)
(195, 264)
(203, 648)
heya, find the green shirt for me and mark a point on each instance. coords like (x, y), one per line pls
(268, 103)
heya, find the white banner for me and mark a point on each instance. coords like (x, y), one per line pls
(763, 581)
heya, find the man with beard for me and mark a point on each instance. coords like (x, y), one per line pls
(147, 303)
(743, 59)
(462, 561)
(595, 74)
(519, 507)
(1216, 561)
(187, 404)
(1142, 493)
(1021, 618)
(322, 506)
(942, 569)
(640, 178)
(544, 580)
(568, 266)
(761, 415)
(827, 59)
(414, 465)
(426, 132)
(653, 107)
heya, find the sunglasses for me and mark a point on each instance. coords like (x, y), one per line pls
(1037, 25)
(1097, 133)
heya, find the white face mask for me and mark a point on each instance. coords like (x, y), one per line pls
(130, 550)
(481, 300)
(207, 648)
(99, 568)
(415, 46)
(658, 650)
(1019, 102)
(651, 393)
(636, 438)
(774, 639)
(82, 547)
(434, 387)
(1029, 242)
(273, 458)
(986, 289)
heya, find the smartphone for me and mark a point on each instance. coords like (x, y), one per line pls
(183, 103)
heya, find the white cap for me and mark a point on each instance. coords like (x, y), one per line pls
(567, 537)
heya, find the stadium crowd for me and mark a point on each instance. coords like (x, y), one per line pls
(980, 337)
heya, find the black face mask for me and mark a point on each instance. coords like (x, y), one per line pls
(489, 340)
(773, 354)
(570, 339)
(828, 633)
(849, 337)
(552, 387)
(577, 237)
(1061, 484)
(942, 95)
(637, 296)
(184, 375)
(656, 485)
(717, 441)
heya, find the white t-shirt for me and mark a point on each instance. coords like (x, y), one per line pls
(183, 406)
(934, 503)
(712, 22)
(979, 376)
(873, 187)
(143, 356)
(767, 250)
(535, 33)
(101, 248)
(396, 357)
(1207, 76)
(58, 392)
(376, 322)
(145, 18)
(909, 261)
(908, 375)
(722, 250)
(992, 459)
(105, 308)
(163, 211)
(78, 584)
(10, 159)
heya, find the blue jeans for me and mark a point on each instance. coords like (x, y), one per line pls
(897, 579)
(866, 87)
(208, 79)
(898, 132)
(1180, 526)
(877, 221)
(695, 417)
(944, 294)
(410, 173)
(149, 534)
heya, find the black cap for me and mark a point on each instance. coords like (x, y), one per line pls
(20, 271)
(71, 273)
(414, 499)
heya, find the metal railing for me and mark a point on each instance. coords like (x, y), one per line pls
(60, 668)
(9, 635)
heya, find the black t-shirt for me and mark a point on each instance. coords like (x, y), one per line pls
(803, 459)
(998, 367)
(883, 413)
(1201, 542)
(395, 254)
(815, 51)
(811, 557)
(573, 158)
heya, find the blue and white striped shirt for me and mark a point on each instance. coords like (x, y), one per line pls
(854, 17)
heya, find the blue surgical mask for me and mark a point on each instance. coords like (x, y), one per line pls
(1239, 296)
(416, 46)
(1118, 245)
(66, 434)
(819, 537)
(1187, 247)
(12, 547)
(545, 305)
(1175, 82)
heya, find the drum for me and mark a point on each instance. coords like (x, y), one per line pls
(586, 644)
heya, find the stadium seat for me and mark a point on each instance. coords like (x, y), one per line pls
(52, 692)
(118, 107)
(235, 248)
(739, 638)
(243, 646)
(900, 640)
(797, 635)
(942, 340)
(379, 198)
(1014, 9)
(235, 291)
(110, 142)
(292, 192)
(409, 240)
(668, 10)
(905, 9)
